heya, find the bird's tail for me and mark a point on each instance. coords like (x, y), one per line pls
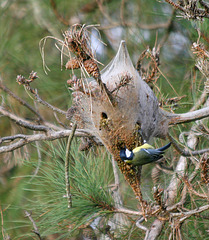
(164, 147)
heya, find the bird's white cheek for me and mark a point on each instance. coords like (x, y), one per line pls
(128, 153)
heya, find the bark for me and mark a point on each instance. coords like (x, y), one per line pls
(155, 230)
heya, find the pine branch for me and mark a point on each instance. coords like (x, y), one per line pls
(189, 116)
(155, 230)
(50, 136)
(29, 124)
(127, 211)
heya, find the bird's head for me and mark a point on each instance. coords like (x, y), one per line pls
(126, 154)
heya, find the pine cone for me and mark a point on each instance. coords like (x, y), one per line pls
(92, 68)
(72, 64)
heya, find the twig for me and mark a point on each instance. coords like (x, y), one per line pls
(172, 189)
(40, 100)
(190, 188)
(181, 202)
(127, 211)
(5, 235)
(21, 80)
(139, 225)
(164, 168)
(22, 122)
(36, 231)
(11, 138)
(134, 25)
(189, 116)
(204, 4)
(200, 101)
(189, 213)
(20, 100)
(16, 119)
(61, 123)
(50, 136)
(122, 12)
(59, 17)
(124, 81)
(176, 5)
(104, 13)
(184, 152)
(67, 181)
(190, 10)
(168, 29)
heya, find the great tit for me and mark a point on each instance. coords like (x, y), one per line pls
(143, 154)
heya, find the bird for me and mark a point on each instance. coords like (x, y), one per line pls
(142, 155)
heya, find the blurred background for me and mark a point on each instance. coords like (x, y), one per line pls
(142, 24)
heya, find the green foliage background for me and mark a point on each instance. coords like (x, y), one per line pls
(22, 25)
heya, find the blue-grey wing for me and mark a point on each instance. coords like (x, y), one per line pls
(154, 154)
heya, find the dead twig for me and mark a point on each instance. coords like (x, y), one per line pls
(56, 13)
(104, 12)
(4, 234)
(122, 6)
(175, 5)
(184, 215)
(36, 231)
(204, 164)
(150, 72)
(200, 101)
(20, 100)
(157, 195)
(23, 122)
(26, 82)
(184, 152)
(191, 189)
(61, 123)
(127, 211)
(11, 138)
(50, 136)
(124, 81)
(139, 225)
(191, 10)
